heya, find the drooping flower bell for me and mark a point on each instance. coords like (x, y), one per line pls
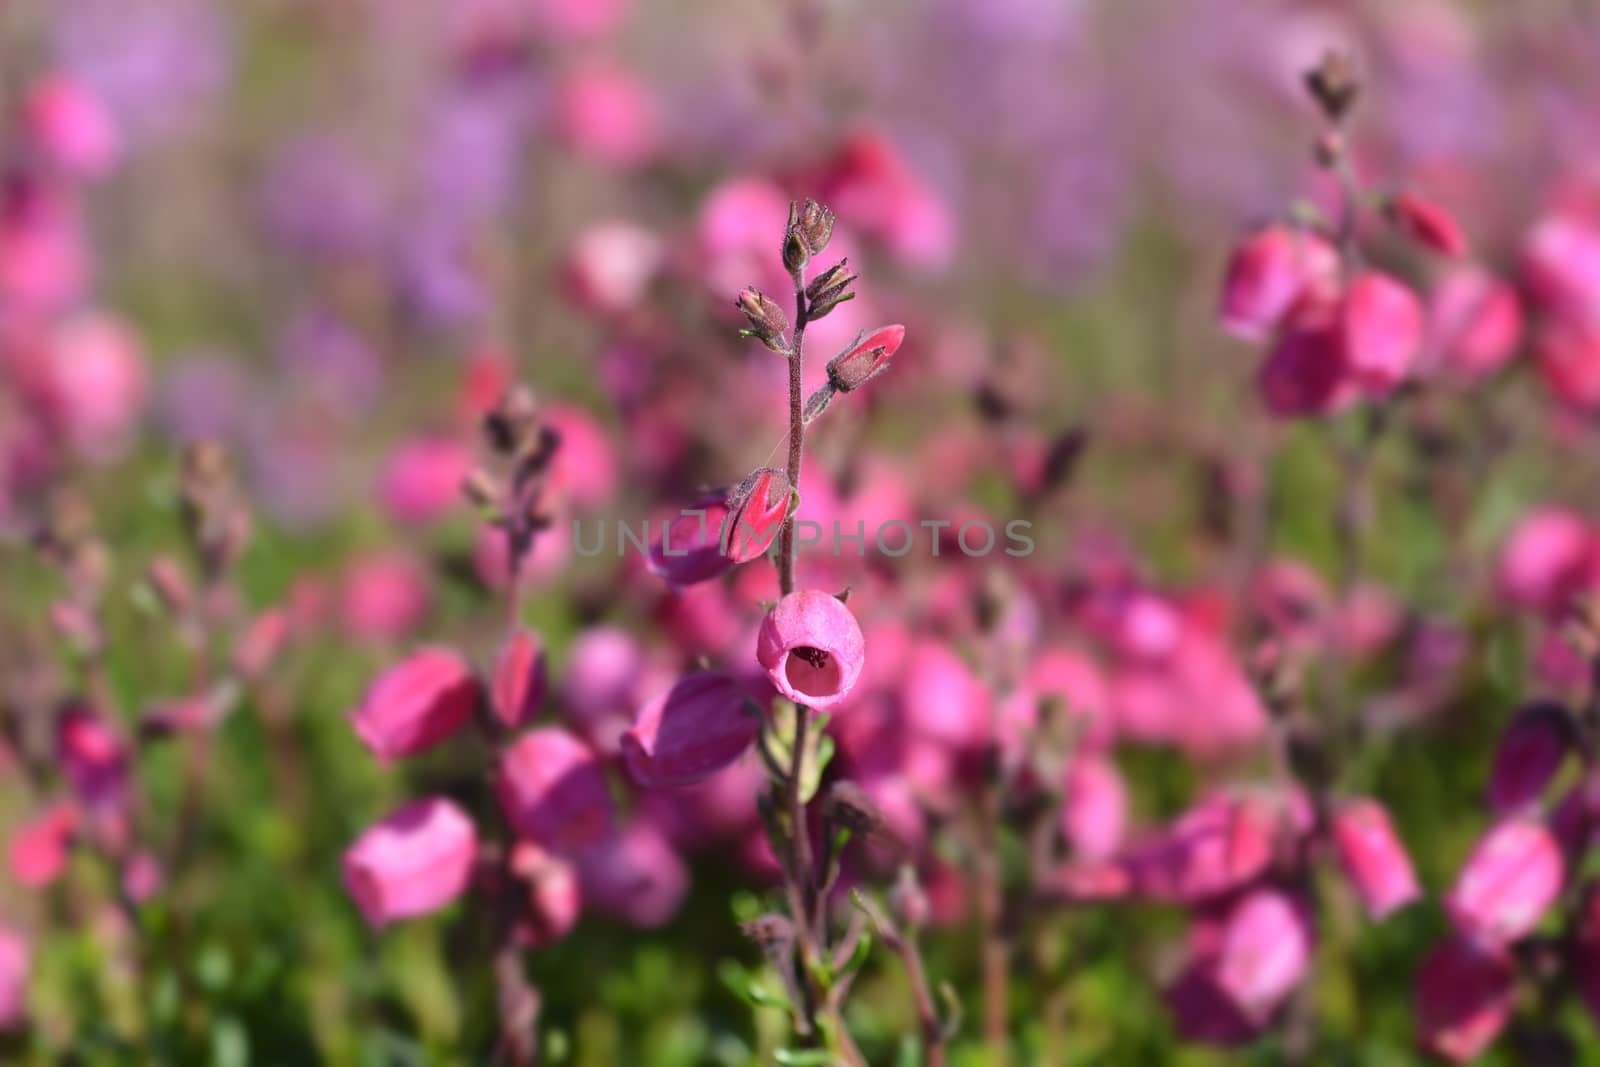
(554, 791)
(811, 648)
(416, 704)
(699, 726)
(1509, 881)
(1373, 858)
(413, 862)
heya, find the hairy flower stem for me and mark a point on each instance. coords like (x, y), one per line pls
(810, 930)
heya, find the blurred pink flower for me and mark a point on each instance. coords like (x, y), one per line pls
(1547, 558)
(44, 261)
(706, 721)
(811, 648)
(416, 704)
(606, 113)
(600, 686)
(553, 790)
(1304, 374)
(584, 471)
(1266, 276)
(555, 899)
(383, 596)
(942, 701)
(635, 874)
(72, 127)
(1511, 878)
(98, 381)
(1465, 994)
(1373, 857)
(874, 190)
(16, 964)
(411, 863)
(1216, 847)
(38, 851)
(423, 477)
(1560, 267)
(1475, 323)
(612, 265)
(1094, 810)
(1383, 324)
(1265, 950)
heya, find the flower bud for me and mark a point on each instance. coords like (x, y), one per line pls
(828, 290)
(795, 255)
(816, 404)
(812, 648)
(512, 426)
(1373, 858)
(1333, 85)
(1267, 273)
(1508, 883)
(1530, 754)
(1464, 999)
(813, 223)
(416, 704)
(1265, 951)
(702, 724)
(834, 279)
(414, 862)
(555, 899)
(767, 320)
(517, 687)
(1427, 224)
(1383, 327)
(756, 510)
(553, 790)
(866, 357)
(849, 806)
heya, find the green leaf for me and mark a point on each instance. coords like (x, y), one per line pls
(803, 1057)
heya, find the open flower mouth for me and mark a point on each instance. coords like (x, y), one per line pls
(813, 672)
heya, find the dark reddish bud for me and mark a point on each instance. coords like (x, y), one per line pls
(756, 510)
(795, 255)
(1333, 85)
(814, 225)
(865, 358)
(847, 805)
(517, 686)
(1426, 223)
(1530, 755)
(512, 426)
(816, 404)
(828, 290)
(767, 320)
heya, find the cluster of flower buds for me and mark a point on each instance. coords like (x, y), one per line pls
(1341, 331)
(515, 430)
(807, 234)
